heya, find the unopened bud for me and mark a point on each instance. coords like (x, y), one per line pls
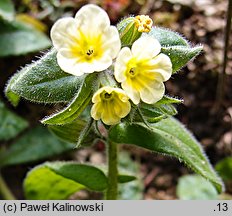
(131, 28)
(143, 23)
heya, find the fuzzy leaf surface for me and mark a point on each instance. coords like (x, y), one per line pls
(76, 106)
(44, 82)
(181, 55)
(10, 124)
(41, 183)
(175, 46)
(71, 132)
(35, 145)
(194, 187)
(169, 137)
(167, 37)
(87, 175)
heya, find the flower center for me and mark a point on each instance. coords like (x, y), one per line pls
(89, 52)
(107, 96)
(87, 47)
(132, 71)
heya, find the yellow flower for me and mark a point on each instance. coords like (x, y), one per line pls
(143, 23)
(142, 70)
(86, 43)
(110, 105)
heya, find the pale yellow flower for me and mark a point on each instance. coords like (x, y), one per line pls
(143, 23)
(86, 43)
(110, 105)
(142, 70)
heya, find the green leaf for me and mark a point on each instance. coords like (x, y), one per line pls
(76, 106)
(169, 100)
(11, 96)
(175, 46)
(35, 145)
(71, 132)
(85, 132)
(194, 187)
(181, 55)
(156, 112)
(10, 124)
(171, 138)
(7, 10)
(167, 37)
(224, 168)
(89, 176)
(44, 82)
(19, 39)
(41, 183)
(125, 178)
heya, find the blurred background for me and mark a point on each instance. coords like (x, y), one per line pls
(206, 110)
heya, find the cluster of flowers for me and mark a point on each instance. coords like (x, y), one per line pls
(88, 43)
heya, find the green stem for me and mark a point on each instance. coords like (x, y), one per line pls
(5, 191)
(112, 191)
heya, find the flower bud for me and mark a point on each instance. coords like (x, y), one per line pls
(131, 28)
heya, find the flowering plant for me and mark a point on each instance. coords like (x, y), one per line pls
(111, 80)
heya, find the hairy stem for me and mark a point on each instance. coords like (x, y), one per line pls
(5, 191)
(112, 191)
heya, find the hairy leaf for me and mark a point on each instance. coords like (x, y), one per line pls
(19, 39)
(44, 82)
(175, 46)
(171, 138)
(76, 106)
(11, 96)
(35, 145)
(181, 55)
(158, 111)
(167, 37)
(10, 124)
(41, 183)
(89, 176)
(71, 132)
(169, 100)
(194, 187)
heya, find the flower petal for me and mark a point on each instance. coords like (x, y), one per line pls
(63, 32)
(153, 93)
(108, 115)
(121, 109)
(162, 64)
(110, 109)
(102, 63)
(146, 48)
(111, 41)
(131, 92)
(121, 64)
(96, 111)
(92, 19)
(68, 65)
